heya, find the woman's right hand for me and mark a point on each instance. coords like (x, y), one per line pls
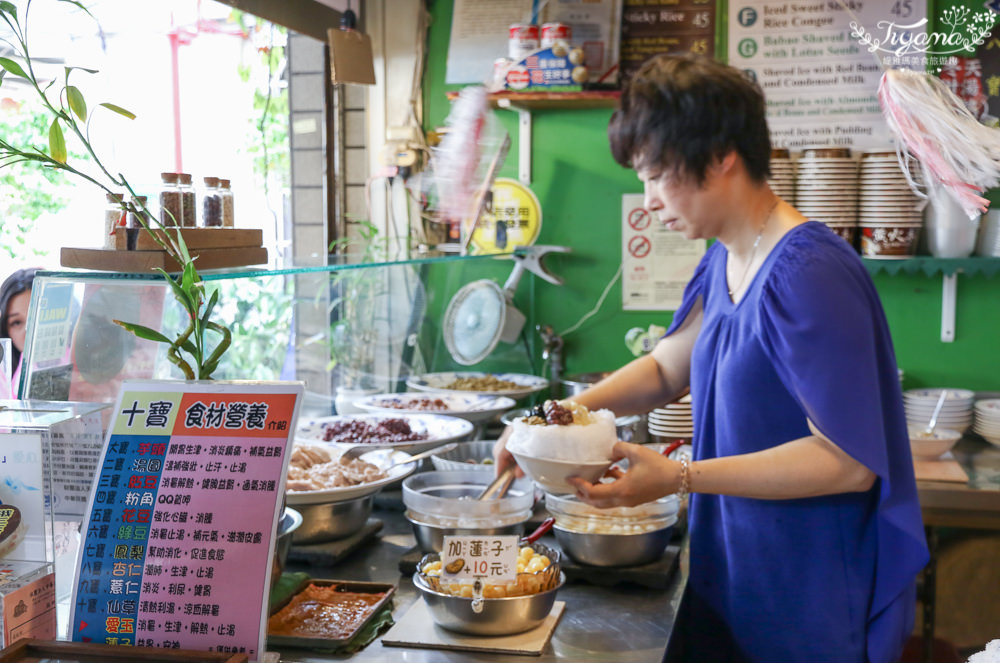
(503, 458)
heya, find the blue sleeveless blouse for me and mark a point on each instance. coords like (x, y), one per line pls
(818, 579)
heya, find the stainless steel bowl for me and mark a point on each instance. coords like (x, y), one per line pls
(574, 384)
(506, 616)
(430, 538)
(332, 520)
(613, 549)
(289, 522)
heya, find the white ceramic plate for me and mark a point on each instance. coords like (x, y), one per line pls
(932, 395)
(529, 384)
(471, 407)
(440, 429)
(380, 458)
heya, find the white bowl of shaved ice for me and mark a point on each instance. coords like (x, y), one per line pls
(562, 440)
(990, 655)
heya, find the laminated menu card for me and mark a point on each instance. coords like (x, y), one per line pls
(180, 528)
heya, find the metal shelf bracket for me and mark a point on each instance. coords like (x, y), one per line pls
(523, 140)
(949, 290)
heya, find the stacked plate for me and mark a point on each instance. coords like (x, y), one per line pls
(988, 420)
(827, 189)
(672, 421)
(956, 413)
(783, 175)
(885, 200)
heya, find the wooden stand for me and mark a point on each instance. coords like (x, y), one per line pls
(136, 250)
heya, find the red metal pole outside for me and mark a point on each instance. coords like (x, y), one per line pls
(176, 76)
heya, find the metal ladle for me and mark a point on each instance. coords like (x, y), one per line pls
(929, 431)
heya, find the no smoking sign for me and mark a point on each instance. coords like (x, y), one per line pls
(639, 246)
(638, 219)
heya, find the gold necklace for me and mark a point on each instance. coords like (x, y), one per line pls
(753, 250)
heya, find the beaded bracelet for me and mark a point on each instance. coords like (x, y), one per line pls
(682, 492)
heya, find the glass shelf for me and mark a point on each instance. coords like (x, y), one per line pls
(337, 263)
(345, 324)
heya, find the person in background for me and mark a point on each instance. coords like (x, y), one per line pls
(804, 525)
(15, 295)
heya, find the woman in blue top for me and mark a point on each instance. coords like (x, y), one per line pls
(805, 530)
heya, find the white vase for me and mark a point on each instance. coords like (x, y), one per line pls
(344, 402)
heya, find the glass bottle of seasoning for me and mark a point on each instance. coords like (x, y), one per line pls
(114, 217)
(170, 200)
(138, 203)
(211, 204)
(227, 203)
(189, 209)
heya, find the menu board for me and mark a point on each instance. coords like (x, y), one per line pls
(181, 524)
(650, 27)
(656, 263)
(819, 81)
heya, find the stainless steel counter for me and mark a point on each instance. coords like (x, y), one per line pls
(624, 623)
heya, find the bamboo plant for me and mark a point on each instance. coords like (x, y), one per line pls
(191, 351)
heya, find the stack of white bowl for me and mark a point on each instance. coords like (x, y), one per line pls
(672, 421)
(783, 175)
(956, 412)
(827, 190)
(988, 420)
(885, 197)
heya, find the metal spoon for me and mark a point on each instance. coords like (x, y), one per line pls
(354, 452)
(929, 431)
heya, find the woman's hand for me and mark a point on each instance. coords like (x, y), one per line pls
(650, 476)
(502, 458)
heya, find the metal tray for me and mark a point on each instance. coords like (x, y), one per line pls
(304, 642)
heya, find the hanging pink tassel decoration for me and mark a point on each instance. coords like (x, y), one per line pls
(934, 126)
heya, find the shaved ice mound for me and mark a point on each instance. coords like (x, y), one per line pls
(565, 431)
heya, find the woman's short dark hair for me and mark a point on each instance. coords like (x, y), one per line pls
(683, 112)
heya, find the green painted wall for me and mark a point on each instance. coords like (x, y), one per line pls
(580, 189)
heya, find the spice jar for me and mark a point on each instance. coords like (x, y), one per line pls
(227, 203)
(211, 204)
(137, 203)
(114, 217)
(189, 209)
(170, 200)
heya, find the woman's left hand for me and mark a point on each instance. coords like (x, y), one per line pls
(650, 476)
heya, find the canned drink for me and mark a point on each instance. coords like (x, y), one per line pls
(500, 67)
(523, 40)
(553, 33)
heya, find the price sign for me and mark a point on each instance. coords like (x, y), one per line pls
(493, 559)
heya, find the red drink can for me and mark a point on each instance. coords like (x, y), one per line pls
(555, 32)
(523, 40)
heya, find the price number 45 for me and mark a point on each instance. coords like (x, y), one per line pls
(902, 8)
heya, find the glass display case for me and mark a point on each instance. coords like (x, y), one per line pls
(361, 326)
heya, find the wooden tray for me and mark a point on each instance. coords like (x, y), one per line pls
(137, 239)
(945, 468)
(303, 642)
(31, 651)
(417, 629)
(145, 261)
